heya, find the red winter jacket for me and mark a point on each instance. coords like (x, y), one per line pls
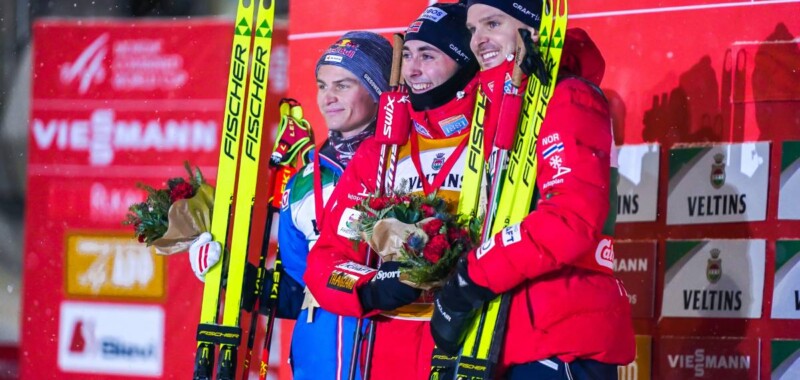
(558, 308)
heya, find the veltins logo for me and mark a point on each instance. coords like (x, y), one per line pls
(714, 267)
(111, 339)
(88, 68)
(438, 161)
(718, 171)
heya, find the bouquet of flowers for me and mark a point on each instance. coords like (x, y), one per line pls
(172, 218)
(419, 231)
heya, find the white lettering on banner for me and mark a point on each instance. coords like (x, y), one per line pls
(604, 254)
(111, 339)
(699, 361)
(102, 135)
(136, 65)
(630, 265)
(111, 203)
(131, 265)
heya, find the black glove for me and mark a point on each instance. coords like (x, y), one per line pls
(454, 308)
(532, 63)
(385, 291)
(290, 296)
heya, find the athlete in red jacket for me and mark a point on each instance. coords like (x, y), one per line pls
(439, 70)
(569, 316)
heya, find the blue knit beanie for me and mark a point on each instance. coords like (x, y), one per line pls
(366, 55)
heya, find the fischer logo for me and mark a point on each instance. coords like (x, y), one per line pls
(136, 65)
(88, 68)
(111, 339)
(102, 135)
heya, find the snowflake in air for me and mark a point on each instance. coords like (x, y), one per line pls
(555, 162)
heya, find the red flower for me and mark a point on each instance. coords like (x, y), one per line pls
(428, 211)
(435, 248)
(378, 203)
(432, 228)
(140, 238)
(182, 190)
(456, 234)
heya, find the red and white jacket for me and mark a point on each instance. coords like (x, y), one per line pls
(559, 307)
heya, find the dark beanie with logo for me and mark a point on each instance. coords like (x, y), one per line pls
(529, 12)
(444, 26)
(366, 55)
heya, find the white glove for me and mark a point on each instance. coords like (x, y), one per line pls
(203, 254)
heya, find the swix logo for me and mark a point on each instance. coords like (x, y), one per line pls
(388, 114)
(102, 134)
(604, 254)
(88, 68)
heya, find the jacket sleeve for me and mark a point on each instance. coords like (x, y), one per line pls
(293, 247)
(336, 263)
(573, 163)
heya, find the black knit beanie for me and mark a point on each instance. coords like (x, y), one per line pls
(529, 12)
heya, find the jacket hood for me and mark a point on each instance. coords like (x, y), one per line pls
(581, 57)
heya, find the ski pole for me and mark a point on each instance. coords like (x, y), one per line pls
(392, 129)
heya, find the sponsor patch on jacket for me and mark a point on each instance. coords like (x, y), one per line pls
(604, 254)
(434, 14)
(453, 124)
(507, 84)
(484, 249)
(414, 27)
(355, 268)
(342, 281)
(551, 138)
(285, 200)
(421, 130)
(511, 235)
(347, 224)
(553, 149)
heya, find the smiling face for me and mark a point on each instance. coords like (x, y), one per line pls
(494, 34)
(343, 101)
(425, 67)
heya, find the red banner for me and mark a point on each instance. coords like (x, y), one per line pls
(116, 103)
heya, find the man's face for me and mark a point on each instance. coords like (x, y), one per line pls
(425, 67)
(494, 34)
(344, 103)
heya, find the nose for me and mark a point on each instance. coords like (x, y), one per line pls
(328, 97)
(478, 38)
(411, 68)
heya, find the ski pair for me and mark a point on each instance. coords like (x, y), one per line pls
(239, 157)
(511, 191)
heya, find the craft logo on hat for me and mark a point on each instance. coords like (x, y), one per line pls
(345, 47)
(414, 27)
(433, 13)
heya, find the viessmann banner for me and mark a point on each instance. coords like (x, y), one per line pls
(116, 103)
